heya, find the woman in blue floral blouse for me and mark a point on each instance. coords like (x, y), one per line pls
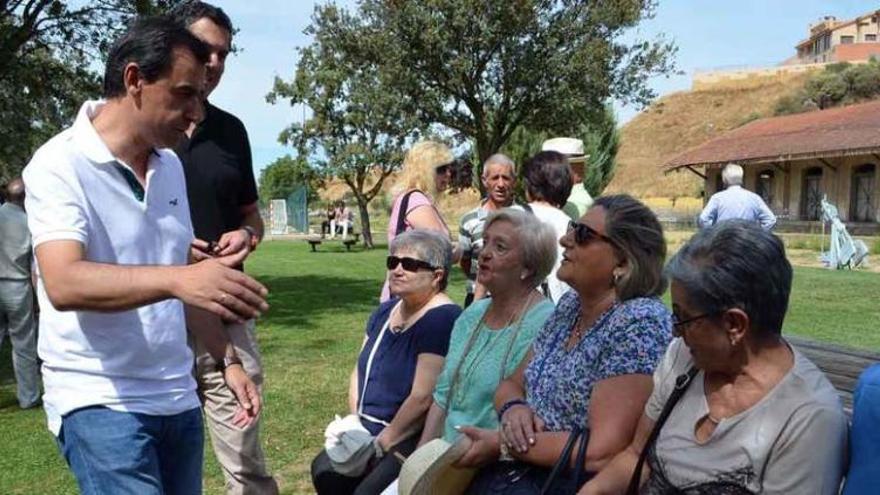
(592, 363)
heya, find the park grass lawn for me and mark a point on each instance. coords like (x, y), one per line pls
(310, 337)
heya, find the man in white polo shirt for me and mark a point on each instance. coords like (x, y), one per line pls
(111, 231)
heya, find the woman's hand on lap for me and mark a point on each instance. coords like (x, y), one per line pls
(519, 426)
(485, 447)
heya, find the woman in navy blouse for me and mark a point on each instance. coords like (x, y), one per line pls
(591, 364)
(402, 355)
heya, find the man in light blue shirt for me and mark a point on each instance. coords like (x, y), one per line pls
(736, 203)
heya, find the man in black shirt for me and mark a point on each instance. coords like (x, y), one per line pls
(223, 204)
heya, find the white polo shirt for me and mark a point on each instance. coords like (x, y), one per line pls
(137, 360)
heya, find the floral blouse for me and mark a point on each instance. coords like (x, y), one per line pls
(629, 338)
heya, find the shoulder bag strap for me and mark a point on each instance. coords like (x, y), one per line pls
(367, 373)
(579, 469)
(563, 461)
(682, 382)
(401, 212)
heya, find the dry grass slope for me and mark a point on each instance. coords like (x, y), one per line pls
(686, 119)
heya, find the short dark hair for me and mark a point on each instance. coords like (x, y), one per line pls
(149, 42)
(190, 12)
(736, 264)
(548, 178)
(638, 236)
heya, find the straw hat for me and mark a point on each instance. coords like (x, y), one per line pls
(430, 470)
(572, 148)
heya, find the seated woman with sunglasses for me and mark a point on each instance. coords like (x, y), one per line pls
(403, 352)
(591, 364)
(750, 414)
(426, 171)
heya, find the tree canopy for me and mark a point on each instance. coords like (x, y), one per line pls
(483, 68)
(47, 53)
(376, 77)
(838, 84)
(357, 131)
(283, 176)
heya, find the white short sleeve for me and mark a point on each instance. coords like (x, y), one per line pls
(54, 201)
(807, 456)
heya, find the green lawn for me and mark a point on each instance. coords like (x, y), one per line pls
(310, 337)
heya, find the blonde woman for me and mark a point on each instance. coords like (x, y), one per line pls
(427, 170)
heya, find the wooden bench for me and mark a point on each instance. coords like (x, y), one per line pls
(348, 243)
(842, 365)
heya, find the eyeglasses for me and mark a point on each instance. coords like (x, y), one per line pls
(680, 324)
(409, 264)
(584, 234)
(442, 169)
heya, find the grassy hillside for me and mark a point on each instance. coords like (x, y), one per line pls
(682, 120)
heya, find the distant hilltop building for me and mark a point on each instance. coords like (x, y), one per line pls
(833, 40)
(830, 41)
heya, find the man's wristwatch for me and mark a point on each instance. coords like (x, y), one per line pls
(253, 238)
(228, 361)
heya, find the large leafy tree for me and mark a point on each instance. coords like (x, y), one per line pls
(48, 49)
(285, 175)
(484, 68)
(357, 130)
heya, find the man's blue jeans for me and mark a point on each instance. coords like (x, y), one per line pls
(121, 453)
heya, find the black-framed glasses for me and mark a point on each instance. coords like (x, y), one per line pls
(584, 234)
(679, 324)
(409, 264)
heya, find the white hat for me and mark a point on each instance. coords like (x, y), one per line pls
(570, 147)
(430, 470)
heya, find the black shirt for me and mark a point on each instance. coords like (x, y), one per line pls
(219, 177)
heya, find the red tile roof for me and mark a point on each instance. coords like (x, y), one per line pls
(844, 131)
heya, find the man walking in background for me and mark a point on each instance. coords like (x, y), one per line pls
(736, 202)
(17, 295)
(223, 202)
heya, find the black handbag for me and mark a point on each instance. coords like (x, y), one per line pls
(562, 479)
(519, 478)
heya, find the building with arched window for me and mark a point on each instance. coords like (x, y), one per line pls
(795, 160)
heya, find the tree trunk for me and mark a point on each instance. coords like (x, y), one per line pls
(365, 221)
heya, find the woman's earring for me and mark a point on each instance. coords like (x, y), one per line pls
(617, 276)
(523, 276)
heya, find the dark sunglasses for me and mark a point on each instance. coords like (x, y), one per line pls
(409, 264)
(584, 234)
(442, 169)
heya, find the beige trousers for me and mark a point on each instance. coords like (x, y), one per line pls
(238, 450)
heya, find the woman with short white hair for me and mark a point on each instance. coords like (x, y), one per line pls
(402, 354)
(735, 409)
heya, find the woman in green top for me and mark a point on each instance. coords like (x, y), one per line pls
(493, 335)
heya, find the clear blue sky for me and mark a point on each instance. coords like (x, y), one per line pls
(709, 34)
